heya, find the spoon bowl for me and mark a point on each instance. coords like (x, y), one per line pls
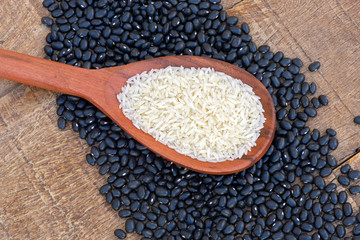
(101, 86)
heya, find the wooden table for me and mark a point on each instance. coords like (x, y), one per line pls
(47, 190)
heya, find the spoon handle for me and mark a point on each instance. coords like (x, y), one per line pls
(44, 73)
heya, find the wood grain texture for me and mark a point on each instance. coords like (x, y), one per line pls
(47, 191)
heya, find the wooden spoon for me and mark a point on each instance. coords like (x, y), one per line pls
(100, 87)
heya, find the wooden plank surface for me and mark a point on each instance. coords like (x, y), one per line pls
(47, 191)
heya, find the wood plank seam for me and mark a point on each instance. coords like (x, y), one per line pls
(233, 5)
(3, 121)
(317, 9)
(271, 36)
(345, 160)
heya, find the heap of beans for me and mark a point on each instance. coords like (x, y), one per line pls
(283, 196)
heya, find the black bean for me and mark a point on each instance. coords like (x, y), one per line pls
(343, 180)
(306, 227)
(104, 169)
(315, 102)
(285, 62)
(333, 143)
(124, 213)
(61, 123)
(307, 178)
(134, 184)
(302, 116)
(324, 150)
(298, 123)
(57, 13)
(330, 187)
(161, 221)
(147, 233)
(356, 230)
(329, 228)
(57, 45)
(312, 146)
(229, 229)
(296, 87)
(276, 226)
(328, 217)
(354, 174)
(328, 207)
(139, 216)
(323, 233)
(333, 198)
(311, 112)
(308, 206)
(331, 161)
(299, 78)
(162, 192)
(246, 190)
(347, 209)
(253, 68)
(120, 234)
(295, 103)
(47, 3)
(315, 194)
(47, 21)
(53, 6)
(354, 190)
(320, 183)
(294, 70)
(323, 100)
(314, 66)
(304, 88)
(325, 172)
(312, 88)
(90, 159)
(245, 28)
(342, 197)
(297, 62)
(316, 209)
(318, 222)
(338, 213)
(340, 230)
(105, 189)
(159, 233)
(324, 140)
(304, 101)
(358, 217)
(287, 75)
(357, 120)
(348, 221)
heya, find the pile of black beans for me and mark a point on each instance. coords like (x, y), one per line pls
(283, 196)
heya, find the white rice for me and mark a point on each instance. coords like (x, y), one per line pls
(200, 113)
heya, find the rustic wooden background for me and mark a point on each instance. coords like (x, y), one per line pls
(47, 190)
